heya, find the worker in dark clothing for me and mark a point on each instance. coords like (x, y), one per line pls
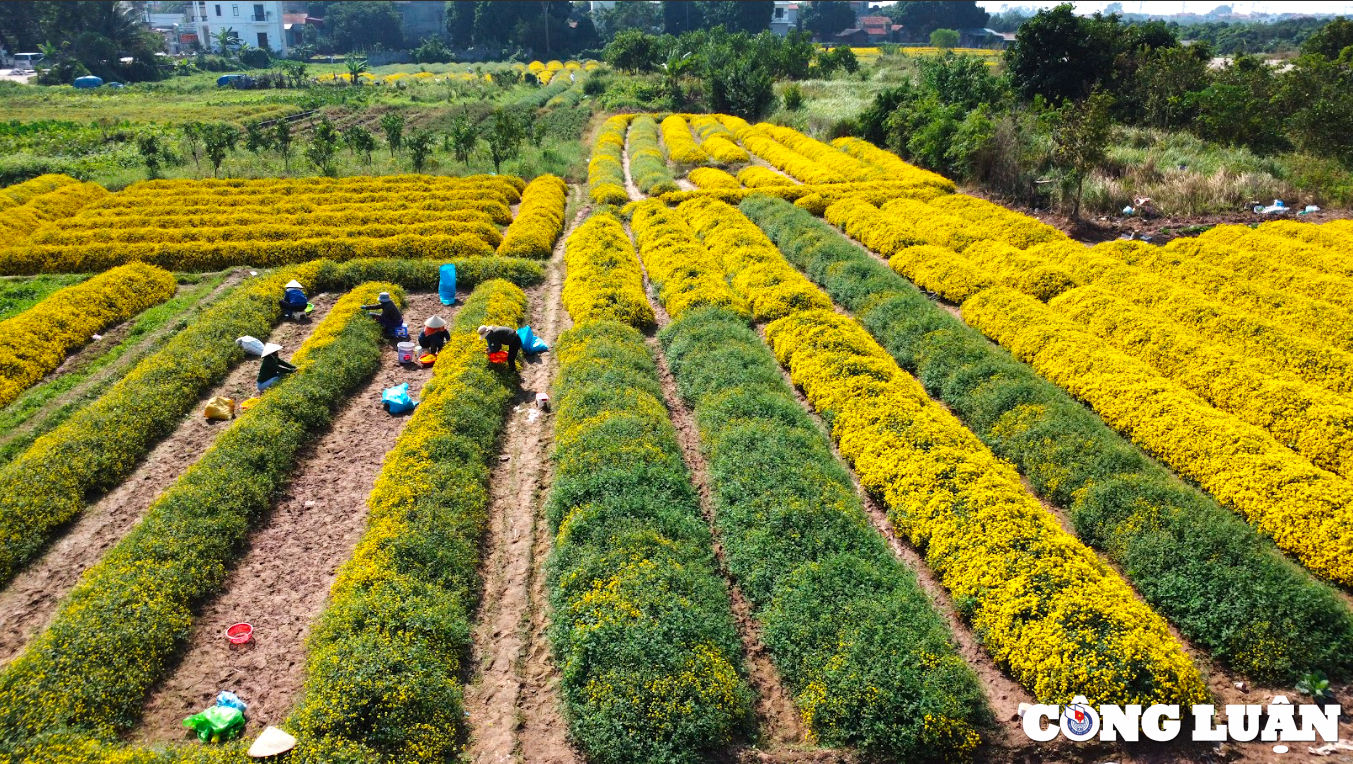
(294, 301)
(434, 335)
(500, 336)
(272, 369)
(389, 316)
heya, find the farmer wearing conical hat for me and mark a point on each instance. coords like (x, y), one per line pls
(272, 369)
(293, 299)
(434, 335)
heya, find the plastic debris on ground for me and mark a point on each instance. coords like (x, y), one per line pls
(396, 399)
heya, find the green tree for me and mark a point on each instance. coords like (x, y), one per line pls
(1318, 93)
(359, 140)
(1080, 133)
(505, 136)
(739, 85)
(464, 138)
(645, 17)
(944, 39)
(1330, 40)
(922, 18)
(227, 40)
(839, 57)
(1171, 80)
(1241, 107)
(420, 146)
(632, 51)
(218, 140)
(192, 141)
(1057, 55)
(281, 140)
(392, 124)
(363, 25)
(152, 154)
(294, 71)
(256, 138)
(323, 147)
(825, 18)
(356, 66)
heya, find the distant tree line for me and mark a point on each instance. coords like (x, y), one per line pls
(1069, 77)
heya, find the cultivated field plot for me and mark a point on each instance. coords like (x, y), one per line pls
(827, 462)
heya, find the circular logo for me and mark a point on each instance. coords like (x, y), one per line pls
(1080, 722)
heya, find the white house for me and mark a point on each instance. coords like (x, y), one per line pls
(785, 18)
(258, 24)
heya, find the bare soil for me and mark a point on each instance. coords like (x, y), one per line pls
(31, 599)
(631, 189)
(1157, 229)
(513, 703)
(283, 581)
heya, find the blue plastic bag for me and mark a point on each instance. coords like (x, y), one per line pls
(530, 343)
(447, 288)
(396, 399)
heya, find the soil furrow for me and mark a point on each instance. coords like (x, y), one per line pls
(780, 729)
(282, 582)
(630, 188)
(513, 706)
(31, 599)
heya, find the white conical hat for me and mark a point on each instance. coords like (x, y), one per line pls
(435, 322)
(294, 284)
(269, 349)
(271, 742)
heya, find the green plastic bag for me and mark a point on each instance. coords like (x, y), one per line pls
(216, 724)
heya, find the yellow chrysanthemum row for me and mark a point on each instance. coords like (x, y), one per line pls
(717, 141)
(681, 145)
(1308, 338)
(712, 178)
(37, 340)
(178, 553)
(687, 275)
(755, 267)
(1306, 510)
(995, 548)
(540, 219)
(648, 166)
(606, 170)
(604, 280)
(59, 203)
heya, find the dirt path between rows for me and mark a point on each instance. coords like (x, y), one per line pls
(781, 734)
(31, 599)
(630, 188)
(283, 581)
(513, 703)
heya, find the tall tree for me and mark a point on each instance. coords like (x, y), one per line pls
(1080, 135)
(363, 25)
(1058, 55)
(750, 16)
(825, 18)
(460, 15)
(680, 16)
(922, 18)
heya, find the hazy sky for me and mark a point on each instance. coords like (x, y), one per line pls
(1194, 6)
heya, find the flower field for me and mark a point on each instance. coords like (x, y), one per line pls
(826, 461)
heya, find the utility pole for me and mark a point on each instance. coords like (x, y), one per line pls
(545, 4)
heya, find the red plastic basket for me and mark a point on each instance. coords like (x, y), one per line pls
(240, 633)
(499, 357)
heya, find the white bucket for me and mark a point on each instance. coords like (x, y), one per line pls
(405, 351)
